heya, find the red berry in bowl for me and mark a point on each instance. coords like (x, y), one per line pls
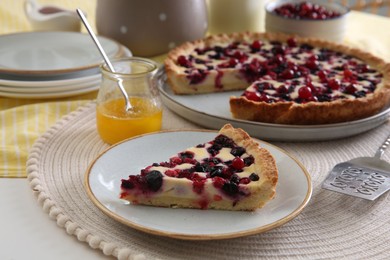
(305, 10)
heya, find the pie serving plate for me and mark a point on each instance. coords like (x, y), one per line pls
(103, 179)
(213, 111)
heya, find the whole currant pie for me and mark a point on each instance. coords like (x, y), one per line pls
(286, 80)
(230, 172)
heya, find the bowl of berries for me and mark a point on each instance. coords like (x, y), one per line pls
(315, 19)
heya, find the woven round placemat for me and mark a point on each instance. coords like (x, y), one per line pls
(333, 225)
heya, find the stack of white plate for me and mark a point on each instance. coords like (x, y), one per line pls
(52, 64)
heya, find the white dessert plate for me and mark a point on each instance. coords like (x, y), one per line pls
(103, 180)
(50, 94)
(213, 111)
(51, 89)
(49, 83)
(52, 53)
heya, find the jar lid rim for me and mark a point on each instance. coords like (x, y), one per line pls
(151, 67)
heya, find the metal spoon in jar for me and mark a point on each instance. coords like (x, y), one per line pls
(103, 53)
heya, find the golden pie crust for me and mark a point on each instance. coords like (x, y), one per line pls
(286, 112)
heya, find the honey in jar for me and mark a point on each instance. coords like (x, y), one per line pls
(140, 81)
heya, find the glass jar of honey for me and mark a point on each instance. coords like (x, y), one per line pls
(140, 80)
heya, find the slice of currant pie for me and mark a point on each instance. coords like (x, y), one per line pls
(285, 80)
(231, 172)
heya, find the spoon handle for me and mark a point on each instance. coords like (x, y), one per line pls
(382, 148)
(104, 55)
(95, 40)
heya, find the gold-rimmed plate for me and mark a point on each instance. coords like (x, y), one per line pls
(104, 176)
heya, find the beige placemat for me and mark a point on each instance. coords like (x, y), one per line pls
(333, 226)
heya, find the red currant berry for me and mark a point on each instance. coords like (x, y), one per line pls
(245, 180)
(238, 163)
(334, 84)
(176, 160)
(351, 89)
(305, 92)
(292, 42)
(282, 89)
(313, 57)
(305, 6)
(363, 68)
(278, 59)
(256, 45)
(232, 62)
(322, 75)
(348, 74)
(312, 64)
(272, 74)
(171, 173)
(183, 61)
(254, 96)
(198, 185)
(287, 74)
(218, 182)
(264, 98)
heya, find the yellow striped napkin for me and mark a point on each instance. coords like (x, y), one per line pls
(20, 127)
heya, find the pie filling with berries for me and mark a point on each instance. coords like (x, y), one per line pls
(285, 79)
(231, 172)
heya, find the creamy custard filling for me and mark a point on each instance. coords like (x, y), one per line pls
(306, 73)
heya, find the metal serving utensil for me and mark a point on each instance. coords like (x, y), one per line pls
(105, 57)
(363, 177)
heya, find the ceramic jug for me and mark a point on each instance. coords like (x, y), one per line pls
(51, 17)
(151, 27)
